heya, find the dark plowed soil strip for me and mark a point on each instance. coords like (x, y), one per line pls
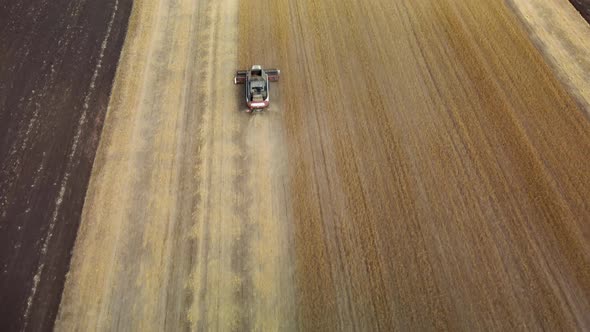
(57, 64)
(583, 6)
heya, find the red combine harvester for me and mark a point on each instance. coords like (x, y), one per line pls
(257, 85)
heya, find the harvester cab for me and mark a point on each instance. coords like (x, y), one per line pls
(256, 81)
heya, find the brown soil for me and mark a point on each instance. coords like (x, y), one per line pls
(53, 98)
(583, 6)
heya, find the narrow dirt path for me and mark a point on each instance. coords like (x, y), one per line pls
(562, 35)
